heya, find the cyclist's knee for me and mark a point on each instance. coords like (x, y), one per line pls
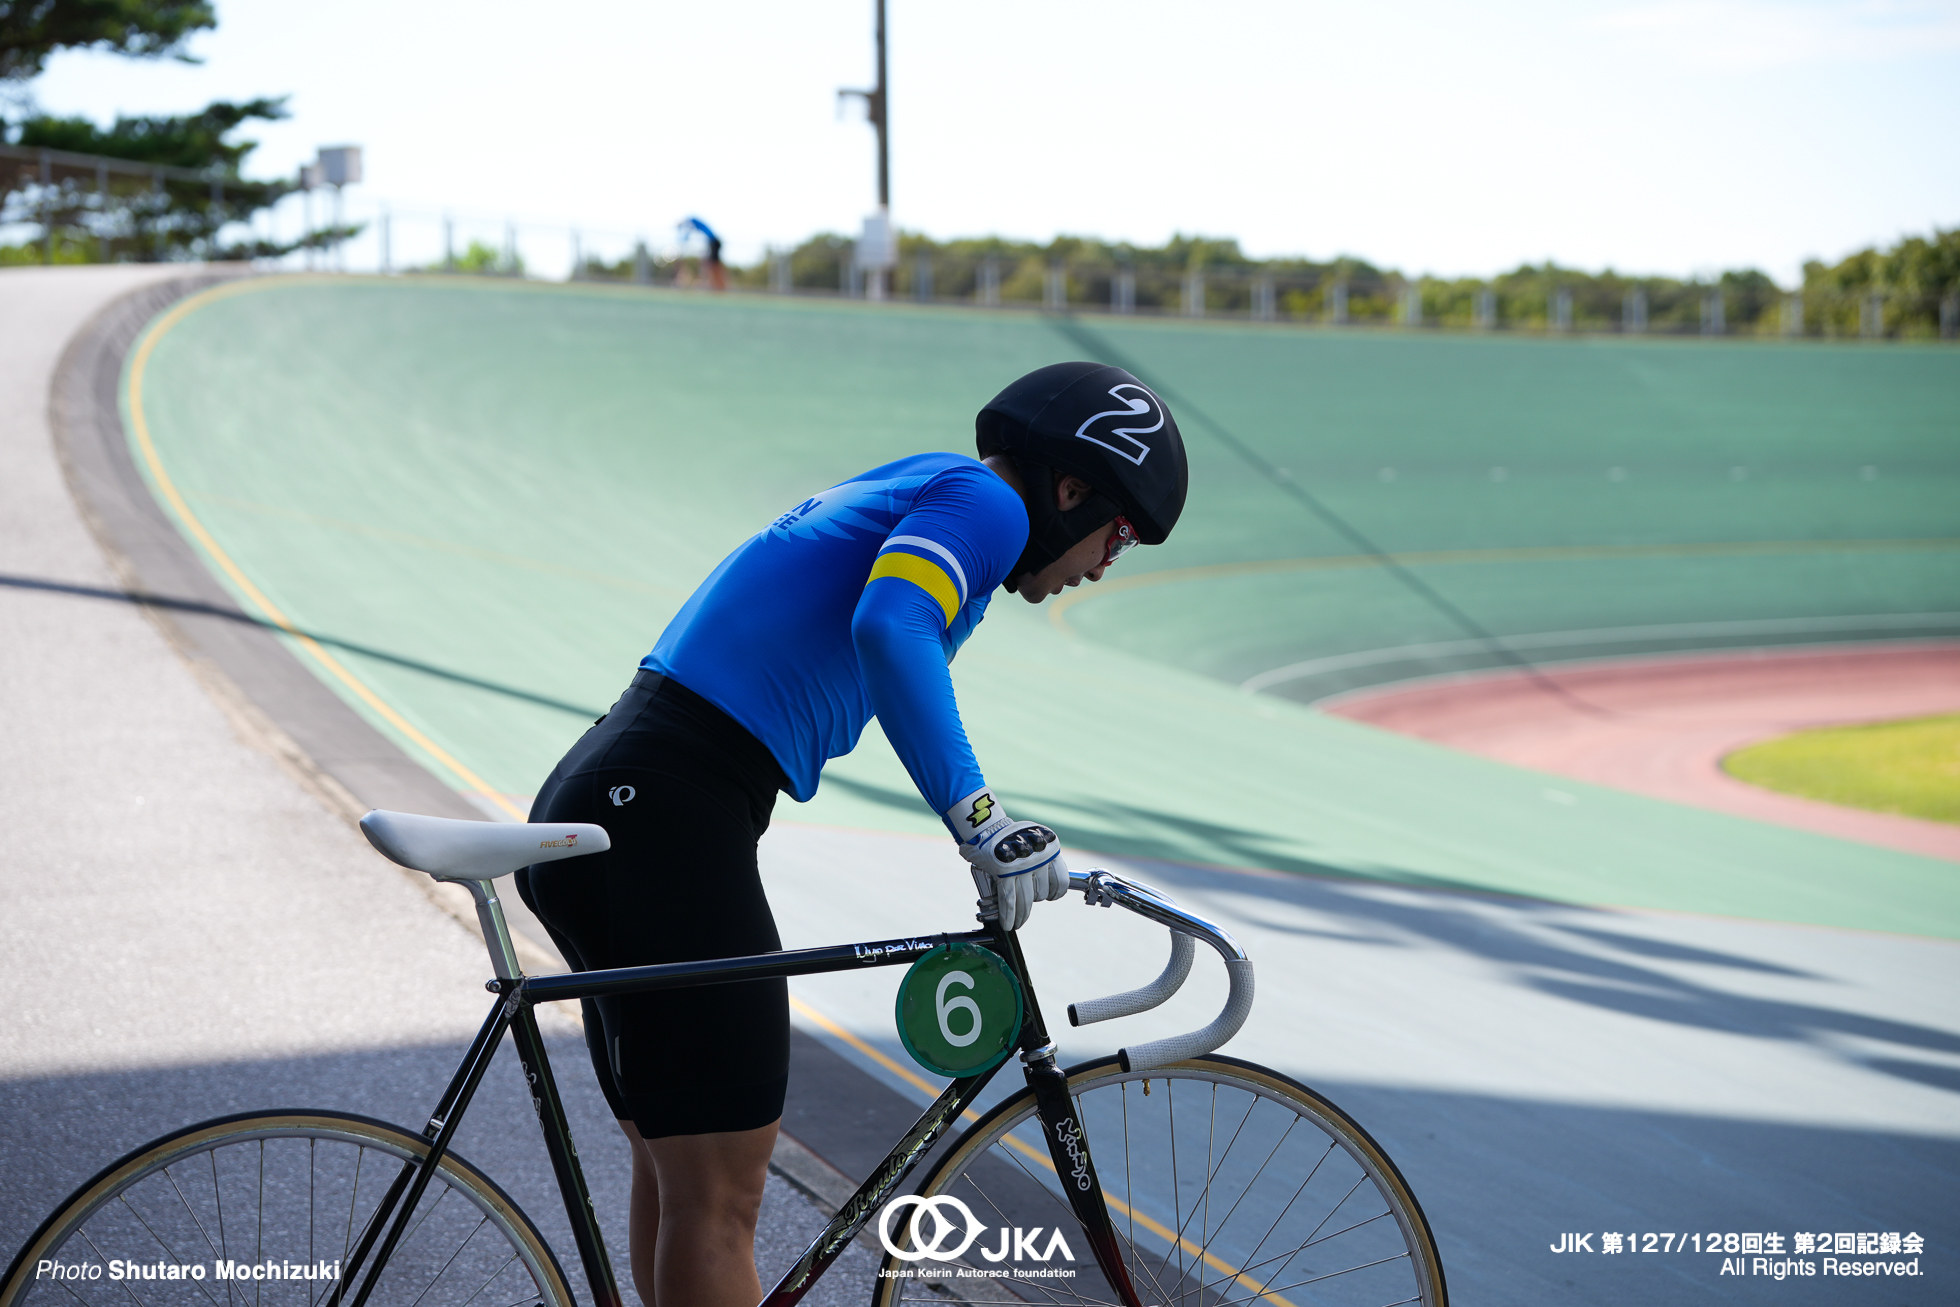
(719, 1176)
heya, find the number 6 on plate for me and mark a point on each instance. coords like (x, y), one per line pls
(959, 1010)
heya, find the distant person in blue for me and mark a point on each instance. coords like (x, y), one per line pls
(712, 267)
(849, 605)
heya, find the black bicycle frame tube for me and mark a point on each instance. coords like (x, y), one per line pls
(1068, 1146)
(875, 1192)
(513, 1012)
(461, 1089)
(492, 1028)
(756, 966)
(564, 1159)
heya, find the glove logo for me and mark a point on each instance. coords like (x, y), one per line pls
(983, 808)
(1142, 404)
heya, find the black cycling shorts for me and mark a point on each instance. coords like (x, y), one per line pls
(684, 792)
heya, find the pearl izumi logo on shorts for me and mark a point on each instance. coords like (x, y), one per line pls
(621, 794)
(1116, 429)
(955, 1229)
(569, 842)
(983, 808)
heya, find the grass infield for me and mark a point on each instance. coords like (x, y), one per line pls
(1909, 767)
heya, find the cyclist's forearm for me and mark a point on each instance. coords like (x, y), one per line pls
(904, 662)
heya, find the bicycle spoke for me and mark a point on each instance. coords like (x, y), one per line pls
(1177, 1219)
(1245, 1192)
(409, 1237)
(312, 1156)
(1005, 1220)
(440, 1270)
(1129, 1186)
(1211, 1175)
(1134, 1262)
(1356, 1226)
(1256, 1177)
(191, 1211)
(464, 1246)
(121, 1284)
(218, 1198)
(492, 1280)
(1054, 1197)
(1270, 1210)
(1317, 1279)
(1361, 1180)
(161, 1242)
(1281, 1260)
(1204, 1225)
(1001, 1212)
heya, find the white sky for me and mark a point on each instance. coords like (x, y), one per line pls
(1655, 136)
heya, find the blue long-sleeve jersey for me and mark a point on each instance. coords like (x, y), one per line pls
(851, 605)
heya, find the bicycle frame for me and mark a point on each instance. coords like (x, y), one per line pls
(518, 995)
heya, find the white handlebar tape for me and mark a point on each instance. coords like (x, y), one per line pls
(1138, 1000)
(1238, 1006)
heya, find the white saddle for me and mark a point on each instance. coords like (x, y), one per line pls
(476, 850)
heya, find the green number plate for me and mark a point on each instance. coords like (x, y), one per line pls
(959, 1010)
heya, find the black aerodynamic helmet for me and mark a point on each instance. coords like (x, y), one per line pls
(1099, 423)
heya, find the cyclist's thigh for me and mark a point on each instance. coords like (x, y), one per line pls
(680, 883)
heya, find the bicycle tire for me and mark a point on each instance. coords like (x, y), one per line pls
(1265, 1159)
(291, 1188)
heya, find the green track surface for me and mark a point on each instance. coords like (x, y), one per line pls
(1911, 767)
(512, 488)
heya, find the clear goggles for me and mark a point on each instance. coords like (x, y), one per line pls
(1121, 541)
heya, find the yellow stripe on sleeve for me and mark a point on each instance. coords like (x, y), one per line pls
(929, 577)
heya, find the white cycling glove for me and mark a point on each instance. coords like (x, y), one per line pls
(1015, 863)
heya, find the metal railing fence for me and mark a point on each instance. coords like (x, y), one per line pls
(124, 207)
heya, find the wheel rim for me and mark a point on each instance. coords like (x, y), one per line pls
(294, 1194)
(1228, 1187)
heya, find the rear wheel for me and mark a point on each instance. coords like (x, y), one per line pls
(1227, 1183)
(283, 1197)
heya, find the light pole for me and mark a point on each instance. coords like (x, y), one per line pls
(876, 105)
(877, 251)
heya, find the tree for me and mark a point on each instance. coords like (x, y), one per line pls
(194, 141)
(31, 30)
(179, 213)
(1907, 287)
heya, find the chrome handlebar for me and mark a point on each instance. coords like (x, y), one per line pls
(1101, 888)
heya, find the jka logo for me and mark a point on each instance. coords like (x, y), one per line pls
(1017, 1242)
(983, 808)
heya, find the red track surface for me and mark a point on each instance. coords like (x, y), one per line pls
(1662, 726)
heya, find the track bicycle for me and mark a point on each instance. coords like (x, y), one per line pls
(1166, 1174)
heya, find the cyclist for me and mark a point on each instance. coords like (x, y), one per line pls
(848, 606)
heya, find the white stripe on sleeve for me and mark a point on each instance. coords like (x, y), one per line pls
(920, 542)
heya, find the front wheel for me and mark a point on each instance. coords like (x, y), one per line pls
(1228, 1184)
(265, 1209)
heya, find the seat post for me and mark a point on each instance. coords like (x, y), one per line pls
(496, 931)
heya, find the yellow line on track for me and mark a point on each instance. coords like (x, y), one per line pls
(1116, 1204)
(1058, 609)
(140, 428)
(497, 556)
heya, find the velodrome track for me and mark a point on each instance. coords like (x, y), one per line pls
(1716, 1051)
(190, 928)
